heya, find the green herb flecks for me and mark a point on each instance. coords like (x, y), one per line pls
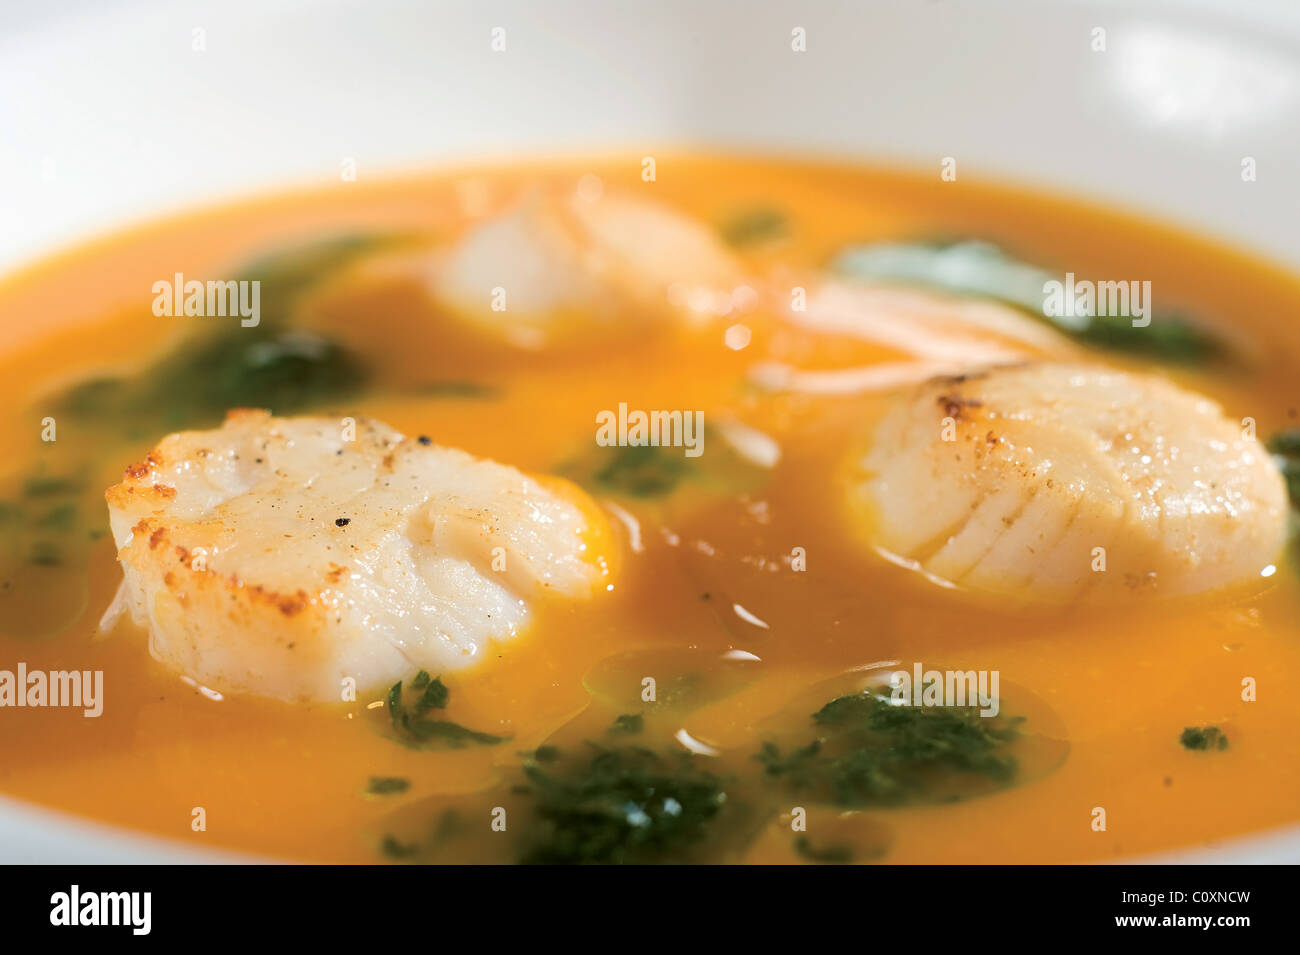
(1205, 738)
(224, 365)
(869, 752)
(654, 472)
(285, 275)
(628, 723)
(47, 539)
(829, 855)
(414, 728)
(622, 805)
(756, 225)
(395, 849)
(1285, 447)
(387, 785)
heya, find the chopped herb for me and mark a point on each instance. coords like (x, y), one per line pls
(755, 226)
(58, 518)
(40, 485)
(1203, 738)
(434, 697)
(981, 269)
(45, 554)
(1285, 446)
(397, 850)
(641, 471)
(288, 273)
(387, 785)
(448, 827)
(413, 729)
(869, 752)
(622, 805)
(1286, 443)
(269, 365)
(546, 754)
(283, 370)
(650, 471)
(628, 723)
(830, 855)
(451, 734)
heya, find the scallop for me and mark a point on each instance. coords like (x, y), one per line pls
(558, 266)
(1058, 482)
(297, 557)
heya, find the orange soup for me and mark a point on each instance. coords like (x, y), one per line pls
(694, 369)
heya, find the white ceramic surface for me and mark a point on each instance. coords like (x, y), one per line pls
(108, 115)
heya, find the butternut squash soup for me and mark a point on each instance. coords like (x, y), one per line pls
(753, 511)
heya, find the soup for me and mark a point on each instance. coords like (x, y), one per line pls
(725, 650)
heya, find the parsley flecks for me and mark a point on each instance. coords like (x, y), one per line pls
(450, 825)
(1285, 446)
(413, 727)
(270, 365)
(1203, 738)
(450, 734)
(397, 850)
(629, 723)
(434, 695)
(867, 752)
(44, 485)
(546, 754)
(387, 785)
(641, 471)
(756, 225)
(657, 471)
(622, 805)
(830, 855)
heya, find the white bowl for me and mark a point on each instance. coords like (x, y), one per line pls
(111, 115)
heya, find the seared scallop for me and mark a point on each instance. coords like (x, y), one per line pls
(557, 266)
(1062, 482)
(294, 557)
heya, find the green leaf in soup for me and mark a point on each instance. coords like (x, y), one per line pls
(640, 471)
(1169, 337)
(449, 734)
(387, 785)
(284, 372)
(868, 752)
(1285, 447)
(287, 273)
(625, 804)
(650, 472)
(45, 550)
(983, 270)
(968, 267)
(1206, 738)
(628, 723)
(224, 365)
(755, 225)
(413, 729)
(835, 854)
